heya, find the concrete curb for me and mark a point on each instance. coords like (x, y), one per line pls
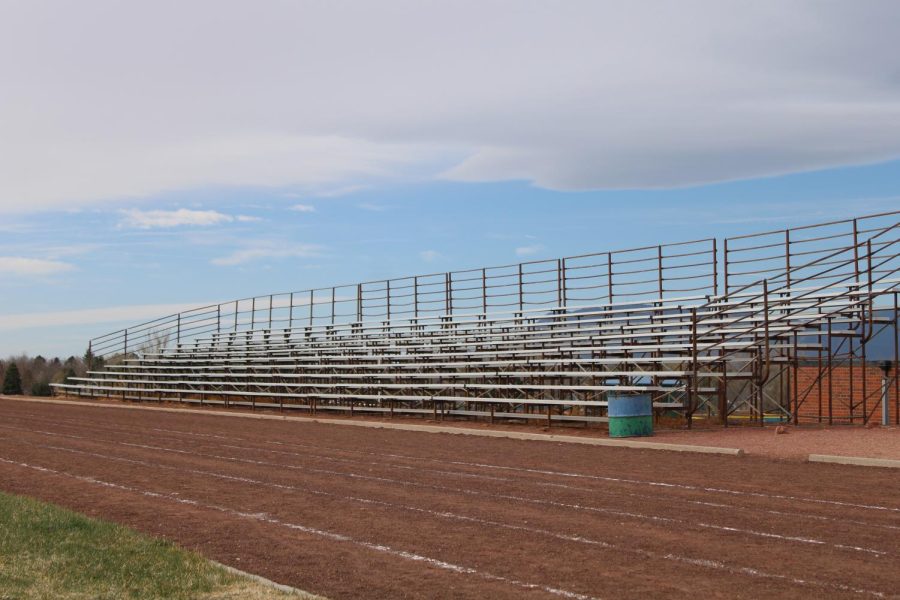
(858, 461)
(516, 435)
(268, 582)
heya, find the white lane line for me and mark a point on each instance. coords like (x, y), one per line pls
(595, 509)
(606, 492)
(705, 563)
(653, 483)
(329, 535)
(569, 475)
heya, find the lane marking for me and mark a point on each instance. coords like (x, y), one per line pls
(597, 509)
(329, 535)
(707, 563)
(119, 429)
(596, 477)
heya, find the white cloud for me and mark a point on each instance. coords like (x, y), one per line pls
(150, 219)
(345, 190)
(261, 250)
(592, 95)
(528, 250)
(429, 255)
(147, 219)
(32, 267)
(306, 208)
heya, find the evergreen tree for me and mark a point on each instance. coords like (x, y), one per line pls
(41, 388)
(12, 381)
(69, 374)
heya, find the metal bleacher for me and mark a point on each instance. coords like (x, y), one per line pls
(709, 333)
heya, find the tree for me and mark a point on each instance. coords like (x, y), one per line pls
(41, 388)
(68, 374)
(91, 361)
(88, 357)
(12, 381)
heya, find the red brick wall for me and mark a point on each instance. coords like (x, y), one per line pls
(841, 394)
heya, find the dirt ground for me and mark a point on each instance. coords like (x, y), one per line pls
(796, 444)
(352, 512)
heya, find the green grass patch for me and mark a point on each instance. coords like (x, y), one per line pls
(50, 552)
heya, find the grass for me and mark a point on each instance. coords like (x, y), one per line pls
(50, 552)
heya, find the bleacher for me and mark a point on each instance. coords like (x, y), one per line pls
(526, 347)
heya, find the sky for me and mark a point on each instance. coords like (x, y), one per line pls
(159, 155)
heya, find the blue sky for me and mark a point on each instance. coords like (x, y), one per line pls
(158, 155)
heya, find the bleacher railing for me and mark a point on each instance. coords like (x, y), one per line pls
(695, 268)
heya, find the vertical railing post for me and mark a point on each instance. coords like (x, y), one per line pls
(218, 318)
(561, 273)
(416, 296)
(521, 290)
(723, 388)
(692, 384)
(794, 376)
(484, 291)
(125, 350)
(359, 303)
(766, 327)
(312, 304)
(659, 271)
(178, 330)
(387, 294)
(765, 374)
(271, 299)
(850, 376)
(830, 369)
(715, 267)
(609, 276)
(871, 296)
(333, 291)
(787, 259)
(725, 269)
(236, 310)
(291, 311)
(448, 293)
(819, 377)
(253, 313)
(896, 362)
(865, 387)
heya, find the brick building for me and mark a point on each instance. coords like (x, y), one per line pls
(847, 389)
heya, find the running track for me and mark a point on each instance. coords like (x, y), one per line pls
(351, 512)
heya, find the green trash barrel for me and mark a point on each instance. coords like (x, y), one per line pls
(630, 415)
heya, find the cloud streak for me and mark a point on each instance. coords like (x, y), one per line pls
(149, 219)
(32, 267)
(263, 250)
(529, 250)
(153, 219)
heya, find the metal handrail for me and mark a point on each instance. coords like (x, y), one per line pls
(601, 282)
